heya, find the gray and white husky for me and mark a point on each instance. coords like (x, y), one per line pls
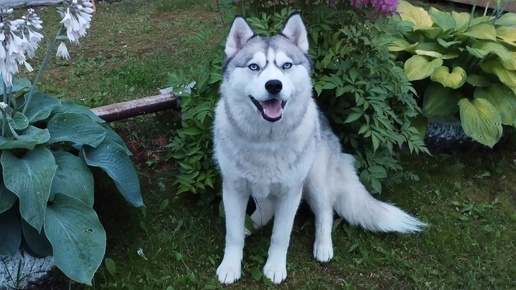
(272, 143)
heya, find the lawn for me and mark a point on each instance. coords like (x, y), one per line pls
(466, 195)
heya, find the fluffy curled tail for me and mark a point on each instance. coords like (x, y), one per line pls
(354, 203)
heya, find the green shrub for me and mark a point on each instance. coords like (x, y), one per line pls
(463, 66)
(367, 97)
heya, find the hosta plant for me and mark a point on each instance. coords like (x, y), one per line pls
(464, 66)
(47, 147)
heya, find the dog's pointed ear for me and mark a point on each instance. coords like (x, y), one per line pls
(295, 30)
(239, 33)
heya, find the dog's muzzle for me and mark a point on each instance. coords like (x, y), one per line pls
(271, 109)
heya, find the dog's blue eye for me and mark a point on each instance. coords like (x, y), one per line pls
(287, 65)
(253, 66)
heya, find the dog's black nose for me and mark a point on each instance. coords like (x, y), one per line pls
(273, 86)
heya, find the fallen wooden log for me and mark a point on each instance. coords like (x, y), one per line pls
(136, 107)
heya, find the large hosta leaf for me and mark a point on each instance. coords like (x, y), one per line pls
(478, 80)
(73, 177)
(453, 80)
(37, 241)
(18, 85)
(502, 98)
(481, 49)
(507, 35)
(440, 102)
(30, 178)
(7, 198)
(71, 107)
(507, 77)
(485, 31)
(416, 15)
(419, 67)
(461, 20)
(27, 139)
(481, 121)
(443, 19)
(400, 44)
(75, 128)
(507, 19)
(112, 158)
(40, 107)
(18, 121)
(74, 230)
(11, 233)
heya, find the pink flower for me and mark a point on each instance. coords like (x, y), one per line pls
(385, 7)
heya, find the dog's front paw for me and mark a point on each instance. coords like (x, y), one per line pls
(323, 251)
(229, 271)
(275, 270)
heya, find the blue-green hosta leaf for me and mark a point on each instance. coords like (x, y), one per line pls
(111, 158)
(11, 233)
(507, 35)
(507, 19)
(113, 136)
(40, 107)
(440, 102)
(18, 85)
(502, 98)
(416, 15)
(7, 198)
(37, 241)
(73, 177)
(74, 229)
(443, 19)
(18, 121)
(461, 20)
(71, 107)
(478, 80)
(479, 20)
(481, 121)
(483, 48)
(484, 31)
(419, 67)
(75, 128)
(447, 44)
(507, 77)
(453, 80)
(27, 139)
(30, 178)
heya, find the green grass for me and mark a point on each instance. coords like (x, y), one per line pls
(468, 198)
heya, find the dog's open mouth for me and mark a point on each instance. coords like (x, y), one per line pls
(271, 109)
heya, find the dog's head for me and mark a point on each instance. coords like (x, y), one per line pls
(269, 73)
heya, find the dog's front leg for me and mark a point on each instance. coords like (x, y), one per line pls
(276, 266)
(235, 200)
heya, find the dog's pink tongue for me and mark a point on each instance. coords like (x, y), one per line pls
(272, 108)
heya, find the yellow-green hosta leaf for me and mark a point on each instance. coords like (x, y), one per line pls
(507, 35)
(400, 44)
(482, 19)
(447, 44)
(443, 19)
(502, 98)
(481, 121)
(416, 15)
(419, 67)
(507, 19)
(507, 77)
(461, 20)
(485, 31)
(483, 48)
(452, 80)
(440, 102)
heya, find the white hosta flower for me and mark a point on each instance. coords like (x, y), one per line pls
(76, 18)
(3, 105)
(18, 40)
(62, 51)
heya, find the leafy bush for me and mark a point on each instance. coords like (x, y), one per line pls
(464, 66)
(356, 82)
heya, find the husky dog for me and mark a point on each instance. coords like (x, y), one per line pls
(272, 143)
